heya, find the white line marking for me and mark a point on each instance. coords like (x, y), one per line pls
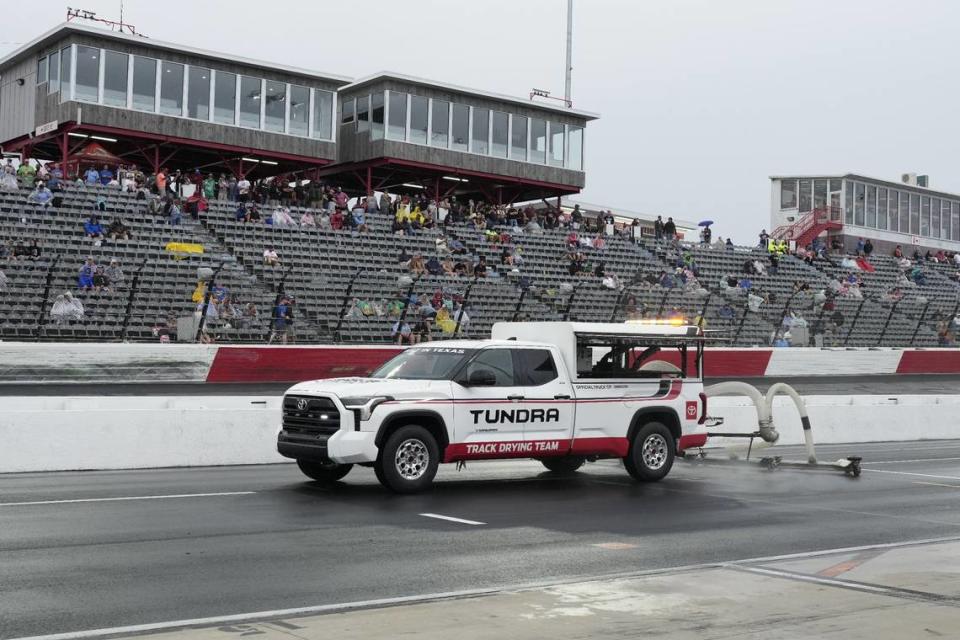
(127, 498)
(915, 460)
(388, 602)
(817, 579)
(451, 519)
(907, 473)
(938, 484)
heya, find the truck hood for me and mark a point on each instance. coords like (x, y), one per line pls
(359, 387)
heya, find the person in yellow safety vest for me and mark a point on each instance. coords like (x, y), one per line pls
(782, 248)
(771, 245)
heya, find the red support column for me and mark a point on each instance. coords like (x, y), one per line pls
(436, 190)
(369, 183)
(64, 153)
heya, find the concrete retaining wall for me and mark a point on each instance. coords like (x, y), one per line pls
(52, 434)
(32, 363)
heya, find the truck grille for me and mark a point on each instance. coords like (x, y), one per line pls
(310, 417)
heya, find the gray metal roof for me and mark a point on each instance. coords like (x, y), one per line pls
(64, 29)
(390, 75)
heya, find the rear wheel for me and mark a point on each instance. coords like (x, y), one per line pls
(651, 453)
(563, 465)
(408, 460)
(324, 471)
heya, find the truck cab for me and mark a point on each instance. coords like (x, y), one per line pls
(559, 392)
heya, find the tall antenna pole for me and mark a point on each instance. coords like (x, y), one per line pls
(569, 68)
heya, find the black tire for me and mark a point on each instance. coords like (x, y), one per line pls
(651, 453)
(325, 472)
(564, 465)
(408, 460)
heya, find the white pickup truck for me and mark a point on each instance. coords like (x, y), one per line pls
(560, 392)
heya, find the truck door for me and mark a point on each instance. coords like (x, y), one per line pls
(488, 403)
(547, 395)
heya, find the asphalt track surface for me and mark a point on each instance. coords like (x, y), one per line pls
(930, 384)
(191, 543)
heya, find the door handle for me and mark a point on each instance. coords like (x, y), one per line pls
(561, 396)
(515, 397)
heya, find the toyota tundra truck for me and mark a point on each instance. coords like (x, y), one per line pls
(563, 393)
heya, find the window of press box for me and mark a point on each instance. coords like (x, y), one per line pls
(419, 114)
(275, 107)
(299, 110)
(198, 93)
(250, 99)
(788, 194)
(363, 114)
(144, 84)
(171, 89)
(87, 85)
(42, 70)
(376, 115)
(225, 98)
(322, 114)
(397, 127)
(500, 134)
(440, 124)
(65, 58)
(54, 73)
(480, 136)
(461, 128)
(115, 80)
(346, 110)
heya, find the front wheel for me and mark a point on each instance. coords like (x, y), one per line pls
(564, 465)
(651, 453)
(408, 460)
(324, 471)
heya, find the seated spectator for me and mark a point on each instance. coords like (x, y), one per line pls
(336, 220)
(460, 268)
(100, 280)
(745, 283)
(66, 308)
(281, 218)
(41, 196)
(754, 302)
(480, 269)
(417, 264)
(457, 247)
(440, 246)
(611, 281)
(270, 257)
(434, 267)
(307, 220)
(726, 312)
(115, 274)
(448, 268)
(758, 267)
(402, 332)
(118, 230)
(92, 228)
(599, 243)
(85, 275)
(249, 316)
(599, 270)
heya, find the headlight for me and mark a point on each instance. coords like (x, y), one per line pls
(364, 406)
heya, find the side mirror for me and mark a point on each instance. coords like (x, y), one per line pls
(481, 378)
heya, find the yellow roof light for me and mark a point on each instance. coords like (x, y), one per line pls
(670, 322)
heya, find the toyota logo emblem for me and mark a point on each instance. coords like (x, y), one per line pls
(302, 404)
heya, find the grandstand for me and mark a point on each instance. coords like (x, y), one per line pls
(498, 167)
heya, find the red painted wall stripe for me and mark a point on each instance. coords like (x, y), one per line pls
(294, 364)
(933, 361)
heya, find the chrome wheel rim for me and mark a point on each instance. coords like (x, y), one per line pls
(412, 459)
(654, 451)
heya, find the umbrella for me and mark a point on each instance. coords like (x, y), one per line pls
(705, 223)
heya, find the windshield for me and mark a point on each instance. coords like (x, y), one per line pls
(430, 363)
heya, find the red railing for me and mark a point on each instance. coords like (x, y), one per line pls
(808, 221)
